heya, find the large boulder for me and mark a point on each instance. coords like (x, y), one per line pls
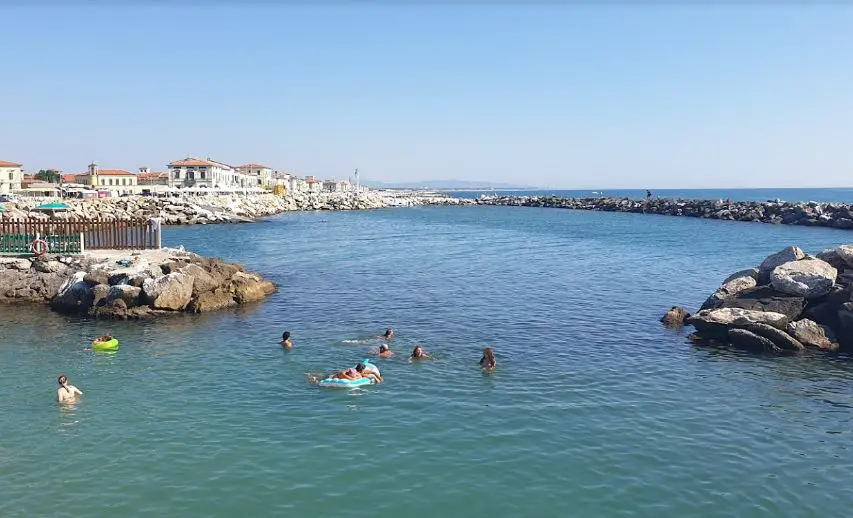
(812, 334)
(74, 295)
(15, 263)
(248, 287)
(674, 317)
(124, 292)
(786, 255)
(202, 281)
(832, 256)
(750, 341)
(780, 338)
(846, 253)
(732, 285)
(764, 298)
(212, 301)
(716, 321)
(809, 279)
(50, 266)
(169, 292)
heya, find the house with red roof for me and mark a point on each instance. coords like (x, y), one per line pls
(11, 176)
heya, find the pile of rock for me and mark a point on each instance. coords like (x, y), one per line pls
(837, 215)
(238, 208)
(790, 302)
(137, 285)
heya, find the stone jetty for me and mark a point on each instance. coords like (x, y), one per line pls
(836, 215)
(790, 302)
(237, 208)
(129, 285)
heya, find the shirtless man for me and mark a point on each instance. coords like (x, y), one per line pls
(385, 351)
(66, 392)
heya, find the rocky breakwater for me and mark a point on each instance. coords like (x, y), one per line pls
(836, 215)
(238, 208)
(790, 302)
(113, 284)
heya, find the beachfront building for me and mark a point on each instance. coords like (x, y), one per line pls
(260, 175)
(336, 186)
(313, 184)
(11, 176)
(206, 173)
(117, 182)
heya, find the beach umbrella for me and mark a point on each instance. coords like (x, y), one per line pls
(54, 206)
(2, 208)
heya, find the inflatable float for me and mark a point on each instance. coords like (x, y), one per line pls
(342, 383)
(110, 345)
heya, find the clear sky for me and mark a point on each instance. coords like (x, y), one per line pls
(573, 95)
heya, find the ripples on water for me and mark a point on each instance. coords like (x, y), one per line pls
(594, 410)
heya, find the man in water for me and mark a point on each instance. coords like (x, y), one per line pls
(385, 351)
(66, 392)
(285, 340)
(389, 334)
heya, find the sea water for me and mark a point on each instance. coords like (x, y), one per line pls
(594, 409)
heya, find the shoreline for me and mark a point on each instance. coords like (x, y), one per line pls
(815, 214)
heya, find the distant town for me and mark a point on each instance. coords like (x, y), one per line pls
(189, 175)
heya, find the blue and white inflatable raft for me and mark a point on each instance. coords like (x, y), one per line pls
(341, 383)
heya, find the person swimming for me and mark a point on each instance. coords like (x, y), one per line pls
(285, 340)
(105, 338)
(487, 362)
(389, 334)
(418, 353)
(385, 351)
(66, 392)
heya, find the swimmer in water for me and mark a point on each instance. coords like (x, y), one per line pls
(385, 351)
(285, 340)
(105, 338)
(66, 392)
(487, 362)
(418, 353)
(389, 334)
(356, 373)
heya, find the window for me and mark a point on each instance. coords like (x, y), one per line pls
(202, 174)
(11, 176)
(124, 181)
(103, 182)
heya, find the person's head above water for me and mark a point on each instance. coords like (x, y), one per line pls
(488, 354)
(389, 333)
(417, 352)
(62, 379)
(285, 336)
(359, 367)
(383, 348)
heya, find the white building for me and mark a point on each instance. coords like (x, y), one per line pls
(194, 172)
(11, 175)
(260, 175)
(336, 186)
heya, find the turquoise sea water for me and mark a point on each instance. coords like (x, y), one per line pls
(594, 409)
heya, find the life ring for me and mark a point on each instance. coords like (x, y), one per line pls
(39, 247)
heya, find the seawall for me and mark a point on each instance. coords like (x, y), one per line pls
(236, 208)
(835, 215)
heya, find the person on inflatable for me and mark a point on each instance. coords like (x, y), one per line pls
(357, 372)
(367, 371)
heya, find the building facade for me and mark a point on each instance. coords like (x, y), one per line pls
(11, 176)
(116, 181)
(260, 175)
(194, 172)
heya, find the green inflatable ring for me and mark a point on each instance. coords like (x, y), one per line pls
(112, 345)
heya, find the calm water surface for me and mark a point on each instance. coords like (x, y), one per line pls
(594, 410)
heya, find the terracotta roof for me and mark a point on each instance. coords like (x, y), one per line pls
(191, 162)
(114, 172)
(69, 178)
(149, 176)
(4, 163)
(253, 166)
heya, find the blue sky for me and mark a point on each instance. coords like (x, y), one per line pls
(576, 95)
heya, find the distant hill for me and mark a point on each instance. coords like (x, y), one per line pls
(449, 185)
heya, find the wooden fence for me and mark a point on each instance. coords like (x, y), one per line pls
(74, 236)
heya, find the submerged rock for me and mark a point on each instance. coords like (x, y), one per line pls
(674, 317)
(751, 341)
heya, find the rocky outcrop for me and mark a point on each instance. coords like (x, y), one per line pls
(674, 317)
(237, 208)
(798, 302)
(835, 215)
(156, 282)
